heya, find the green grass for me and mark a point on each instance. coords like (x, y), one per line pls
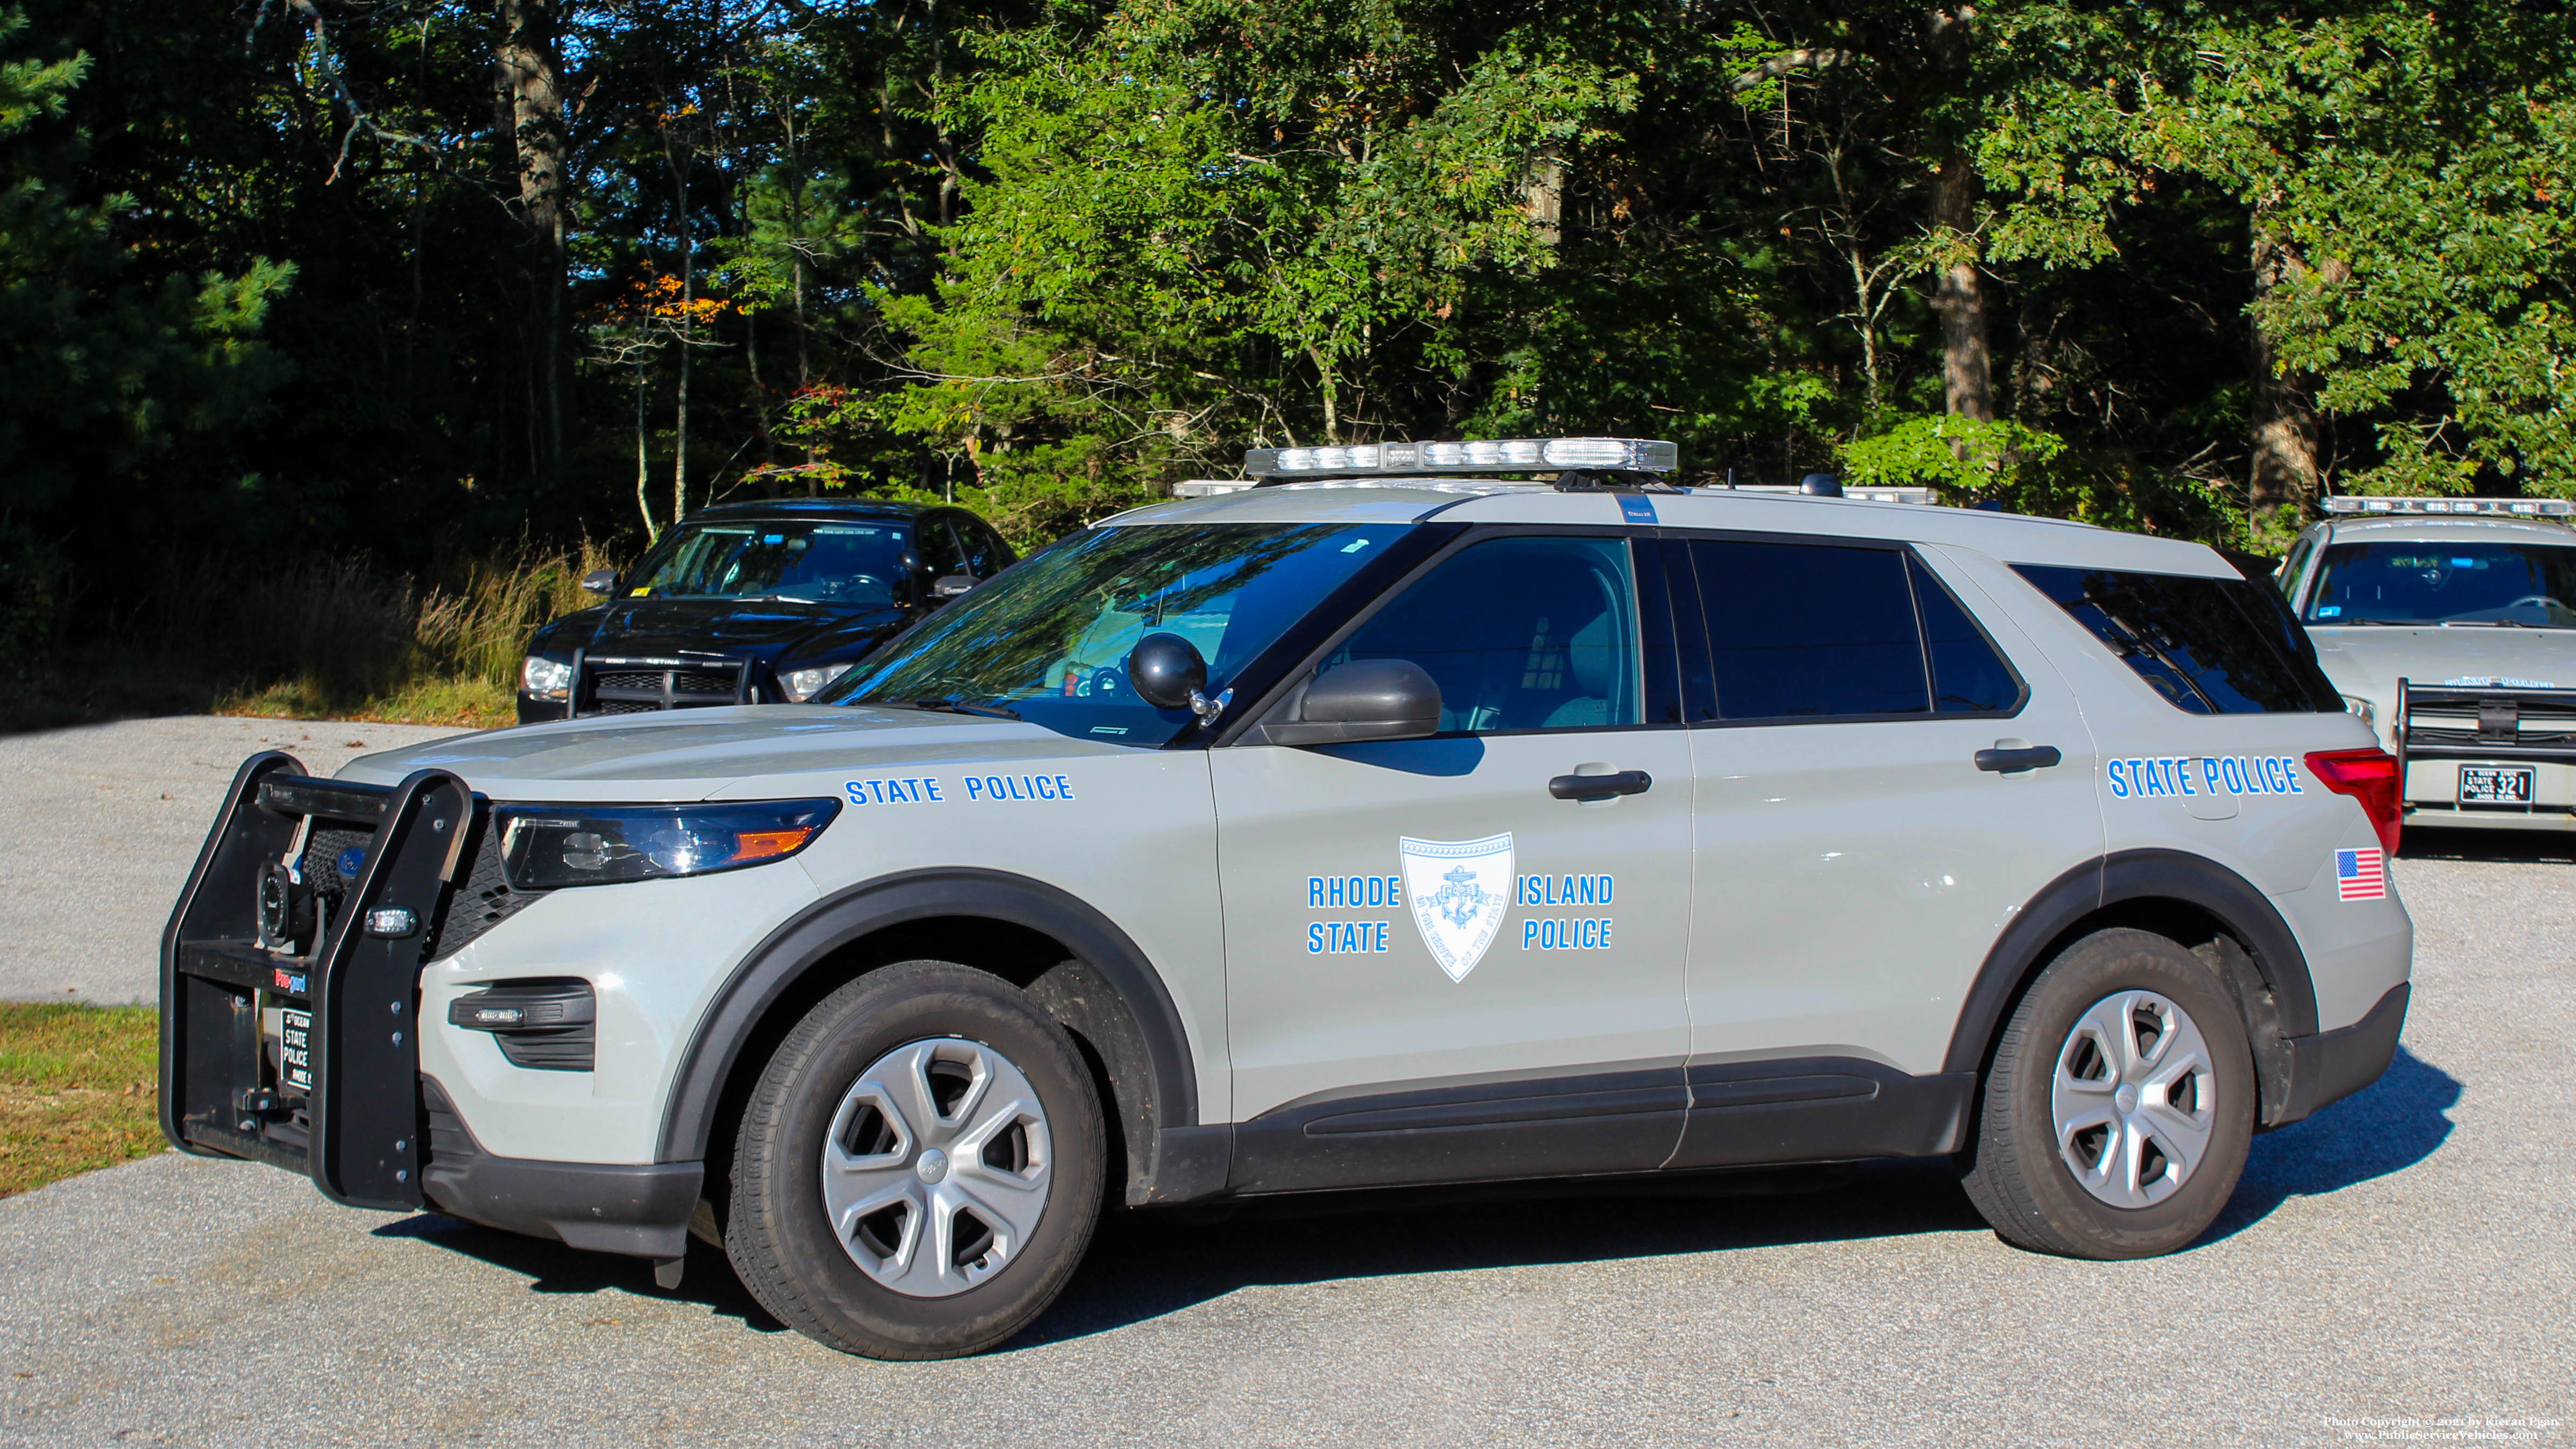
(76, 1089)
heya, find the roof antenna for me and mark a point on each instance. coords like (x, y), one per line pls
(1730, 478)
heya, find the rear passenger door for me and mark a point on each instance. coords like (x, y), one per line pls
(1855, 862)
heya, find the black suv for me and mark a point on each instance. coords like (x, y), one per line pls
(754, 603)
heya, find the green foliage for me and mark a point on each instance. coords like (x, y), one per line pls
(2026, 470)
(102, 370)
(2415, 168)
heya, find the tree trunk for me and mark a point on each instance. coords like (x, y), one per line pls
(643, 467)
(1958, 290)
(2284, 472)
(686, 247)
(531, 72)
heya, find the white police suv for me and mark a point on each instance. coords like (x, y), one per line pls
(2449, 625)
(1383, 821)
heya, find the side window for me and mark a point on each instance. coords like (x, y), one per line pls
(2209, 646)
(1809, 631)
(1521, 633)
(2287, 580)
(1968, 676)
(986, 554)
(941, 553)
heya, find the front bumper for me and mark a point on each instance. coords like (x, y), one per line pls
(642, 1210)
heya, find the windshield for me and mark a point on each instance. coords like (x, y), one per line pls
(1048, 639)
(793, 559)
(2528, 584)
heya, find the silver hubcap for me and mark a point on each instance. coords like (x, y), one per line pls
(2134, 1099)
(936, 1169)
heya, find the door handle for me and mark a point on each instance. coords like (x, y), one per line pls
(2010, 761)
(1600, 787)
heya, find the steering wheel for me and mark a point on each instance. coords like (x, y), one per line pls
(2535, 601)
(1107, 681)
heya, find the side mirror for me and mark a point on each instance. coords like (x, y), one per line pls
(1369, 699)
(1166, 670)
(599, 581)
(953, 586)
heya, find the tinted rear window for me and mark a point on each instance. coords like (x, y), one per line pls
(2209, 646)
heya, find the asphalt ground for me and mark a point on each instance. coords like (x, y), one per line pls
(101, 825)
(2396, 1270)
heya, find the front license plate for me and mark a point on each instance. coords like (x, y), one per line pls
(295, 1051)
(2495, 785)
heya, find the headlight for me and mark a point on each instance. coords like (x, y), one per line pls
(804, 684)
(545, 678)
(548, 847)
(2363, 709)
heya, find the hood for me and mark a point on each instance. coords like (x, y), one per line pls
(2367, 661)
(764, 629)
(729, 753)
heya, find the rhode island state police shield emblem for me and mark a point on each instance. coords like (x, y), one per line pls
(1459, 891)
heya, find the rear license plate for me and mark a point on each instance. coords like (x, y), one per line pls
(295, 1051)
(2493, 785)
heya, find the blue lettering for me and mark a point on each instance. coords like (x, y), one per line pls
(2232, 771)
(858, 793)
(2182, 776)
(2156, 780)
(1314, 892)
(1529, 934)
(933, 787)
(1315, 939)
(1063, 788)
(2290, 772)
(2119, 779)
(1380, 935)
(974, 787)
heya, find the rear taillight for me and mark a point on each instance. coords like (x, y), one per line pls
(2369, 776)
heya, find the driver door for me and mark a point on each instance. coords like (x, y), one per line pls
(1437, 968)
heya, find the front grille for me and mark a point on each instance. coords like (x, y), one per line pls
(636, 686)
(482, 900)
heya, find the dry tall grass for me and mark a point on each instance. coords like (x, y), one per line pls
(339, 639)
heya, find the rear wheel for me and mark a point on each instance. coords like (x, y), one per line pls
(918, 1171)
(2120, 1104)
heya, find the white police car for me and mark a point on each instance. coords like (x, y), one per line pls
(2449, 624)
(1388, 822)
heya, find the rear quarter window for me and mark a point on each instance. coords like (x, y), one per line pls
(2209, 646)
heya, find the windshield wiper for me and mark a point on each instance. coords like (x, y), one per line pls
(955, 705)
(2486, 624)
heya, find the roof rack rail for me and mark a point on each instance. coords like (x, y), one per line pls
(2506, 507)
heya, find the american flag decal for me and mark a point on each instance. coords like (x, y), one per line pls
(2361, 875)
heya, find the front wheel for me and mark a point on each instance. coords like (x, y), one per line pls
(919, 1170)
(2120, 1104)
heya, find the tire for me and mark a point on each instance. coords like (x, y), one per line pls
(2098, 1136)
(952, 1129)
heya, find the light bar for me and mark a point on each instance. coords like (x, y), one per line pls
(2509, 507)
(1507, 455)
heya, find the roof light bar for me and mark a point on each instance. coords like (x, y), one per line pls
(1506, 455)
(2509, 507)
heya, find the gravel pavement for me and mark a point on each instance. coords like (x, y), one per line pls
(102, 825)
(2404, 1257)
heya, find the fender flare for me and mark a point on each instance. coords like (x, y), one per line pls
(2240, 909)
(805, 941)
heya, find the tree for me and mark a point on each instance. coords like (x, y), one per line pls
(2402, 178)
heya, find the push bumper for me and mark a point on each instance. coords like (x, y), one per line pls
(2332, 1065)
(2442, 731)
